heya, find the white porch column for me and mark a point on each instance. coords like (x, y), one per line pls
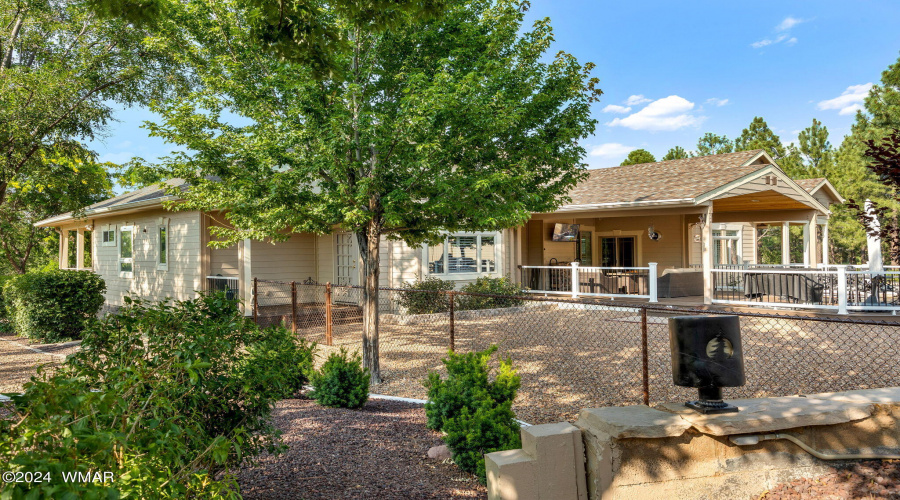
(654, 293)
(79, 249)
(245, 275)
(825, 244)
(786, 243)
(706, 256)
(809, 241)
(576, 284)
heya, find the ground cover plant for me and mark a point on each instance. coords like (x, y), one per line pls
(161, 396)
(342, 382)
(53, 305)
(473, 406)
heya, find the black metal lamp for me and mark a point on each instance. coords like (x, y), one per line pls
(707, 354)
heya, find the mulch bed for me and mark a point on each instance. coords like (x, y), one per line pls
(378, 451)
(871, 479)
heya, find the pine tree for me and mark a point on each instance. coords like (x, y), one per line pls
(676, 153)
(712, 144)
(639, 156)
(758, 135)
(816, 149)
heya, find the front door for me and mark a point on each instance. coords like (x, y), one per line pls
(346, 258)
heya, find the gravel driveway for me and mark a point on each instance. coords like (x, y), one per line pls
(376, 452)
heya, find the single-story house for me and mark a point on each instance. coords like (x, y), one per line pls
(681, 214)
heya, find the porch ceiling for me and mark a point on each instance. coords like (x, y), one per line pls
(756, 202)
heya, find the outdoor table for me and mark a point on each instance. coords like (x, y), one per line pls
(795, 286)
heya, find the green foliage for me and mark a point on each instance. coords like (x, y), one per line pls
(758, 135)
(816, 150)
(713, 144)
(638, 156)
(157, 395)
(676, 153)
(486, 429)
(473, 406)
(424, 296)
(469, 380)
(55, 305)
(279, 363)
(342, 382)
(3, 280)
(494, 286)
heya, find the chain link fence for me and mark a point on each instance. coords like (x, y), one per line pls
(575, 354)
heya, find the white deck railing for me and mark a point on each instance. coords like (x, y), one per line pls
(575, 280)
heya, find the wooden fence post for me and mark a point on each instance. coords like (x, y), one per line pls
(452, 296)
(645, 372)
(328, 339)
(255, 302)
(294, 307)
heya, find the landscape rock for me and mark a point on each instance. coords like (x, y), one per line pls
(441, 452)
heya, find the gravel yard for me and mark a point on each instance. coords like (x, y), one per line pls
(574, 356)
(18, 363)
(376, 452)
(873, 479)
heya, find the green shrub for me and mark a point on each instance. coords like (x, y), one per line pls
(55, 305)
(425, 296)
(473, 406)
(157, 395)
(279, 363)
(341, 382)
(487, 429)
(493, 286)
(469, 380)
(3, 280)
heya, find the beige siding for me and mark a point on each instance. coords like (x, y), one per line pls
(748, 241)
(406, 263)
(759, 184)
(291, 260)
(182, 278)
(325, 258)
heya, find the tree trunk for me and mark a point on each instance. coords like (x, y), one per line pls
(369, 240)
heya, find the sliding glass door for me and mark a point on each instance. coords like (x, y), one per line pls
(618, 251)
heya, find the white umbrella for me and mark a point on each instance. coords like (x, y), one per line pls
(876, 264)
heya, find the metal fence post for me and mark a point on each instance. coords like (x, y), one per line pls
(652, 279)
(328, 339)
(575, 284)
(645, 370)
(842, 289)
(452, 296)
(255, 301)
(294, 307)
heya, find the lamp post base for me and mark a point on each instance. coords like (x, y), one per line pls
(711, 407)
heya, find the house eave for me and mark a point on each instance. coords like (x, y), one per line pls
(124, 208)
(626, 204)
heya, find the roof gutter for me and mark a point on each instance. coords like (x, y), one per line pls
(625, 204)
(93, 213)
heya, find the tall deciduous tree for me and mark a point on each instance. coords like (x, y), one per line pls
(638, 156)
(60, 71)
(676, 153)
(713, 144)
(457, 123)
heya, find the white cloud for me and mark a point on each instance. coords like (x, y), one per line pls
(788, 23)
(849, 101)
(636, 99)
(762, 43)
(791, 41)
(716, 101)
(668, 113)
(612, 108)
(611, 149)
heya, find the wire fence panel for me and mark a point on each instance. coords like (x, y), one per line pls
(575, 354)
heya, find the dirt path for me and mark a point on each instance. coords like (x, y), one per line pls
(18, 363)
(376, 452)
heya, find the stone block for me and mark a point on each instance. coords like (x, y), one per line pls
(633, 422)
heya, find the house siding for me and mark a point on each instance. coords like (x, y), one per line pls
(291, 260)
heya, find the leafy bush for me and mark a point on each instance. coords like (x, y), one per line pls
(472, 434)
(493, 286)
(425, 297)
(473, 406)
(54, 305)
(342, 381)
(159, 395)
(279, 363)
(3, 280)
(468, 382)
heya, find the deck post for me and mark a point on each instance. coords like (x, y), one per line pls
(652, 279)
(328, 336)
(842, 288)
(255, 302)
(706, 255)
(294, 307)
(575, 282)
(786, 243)
(825, 244)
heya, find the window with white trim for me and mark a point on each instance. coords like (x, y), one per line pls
(126, 251)
(77, 249)
(108, 236)
(464, 254)
(162, 241)
(726, 246)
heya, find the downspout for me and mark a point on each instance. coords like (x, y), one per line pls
(754, 439)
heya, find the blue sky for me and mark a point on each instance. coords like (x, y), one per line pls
(672, 71)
